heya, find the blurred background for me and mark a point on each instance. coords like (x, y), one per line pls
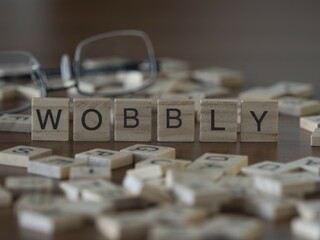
(269, 41)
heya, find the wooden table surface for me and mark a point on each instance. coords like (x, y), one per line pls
(268, 42)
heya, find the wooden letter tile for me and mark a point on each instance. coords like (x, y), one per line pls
(28, 183)
(315, 137)
(106, 158)
(91, 119)
(132, 120)
(89, 173)
(20, 156)
(298, 106)
(15, 123)
(218, 120)
(50, 119)
(176, 121)
(310, 123)
(53, 166)
(267, 168)
(259, 121)
(165, 163)
(310, 164)
(142, 152)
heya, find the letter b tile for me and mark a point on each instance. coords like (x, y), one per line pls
(132, 120)
(91, 119)
(50, 119)
(176, 120)
(259, 121)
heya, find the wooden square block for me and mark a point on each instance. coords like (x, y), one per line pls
(210, 171)
(142, 152)
(106, 158)
(89, 173)
(218, 120)
(5, 198)
(28, 183)
(91, 119)
(230, 164)
(305, 228)
(298, 106)
(40, 201)
(132, 120)
(259, 121)
(309, 209)
(315, 137)
(310, 164)
(53, 166)
(176, 121)
(267, 168)
(165, 163)
(50, 119)
(310, 123)
(49, 221)
(15, 123)
(20, 156)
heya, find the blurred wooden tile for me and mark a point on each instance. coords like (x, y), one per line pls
(20, 156)
(315, 137)
(15, 123)
(53, 166)
(165, 163)
(156, 191)
(211, 171)
(309, 209)
(298, 106)
(84, 172)
(176, 121)
(310, 164)
(310, 123)
(40, 201)
(49, 221)
(267, 168)
(219, 76)
(166, 231)
(7, 92)
(259, 121)
(142, 152)
(106, 158)
(29, 91)
(87, 209)
(5, 198)
(218, 120)
(295, 89)
(91, 119)
(230, 164)
(28, 183)
(50, 119)
(305, 229)
(132, 120)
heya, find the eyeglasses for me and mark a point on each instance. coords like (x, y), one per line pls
(106, 65)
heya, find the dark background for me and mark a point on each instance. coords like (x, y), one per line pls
(269, 41)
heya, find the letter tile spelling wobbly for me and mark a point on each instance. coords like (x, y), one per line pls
(91, 119)
(132, 120)
(259, 121)
(176, 119)
(50, 119)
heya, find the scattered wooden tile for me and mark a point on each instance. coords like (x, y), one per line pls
(240, 186)
(306, 229)
(218, 120)
(132, 120)
(165, 163)
(49, 221)
(315, 138)
(20, 156)
(28, 183)
(165, 231)
(40, 201)
(295, 183)
(298, 106)
(310, 164)
(50, 119)
(295, 89)
(142, 152)
(156, 191)
(231, 164)
(91, 119)
(171, 67)
(219, 76)
(5, 198)
(176, 120)
(210, 171)
(7, 92)
(15, 123)
(243, 227)
(86, 209)
(53, 166)
(310, 123)
(84, 172)
(106, 158)
(309, 209)
(129, 225)
(259, 93)
(259, 121)
(267, 168)
(29, 91)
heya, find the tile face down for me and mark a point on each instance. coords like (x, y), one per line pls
(176, 119)
(20, 156)
(218, 120)
(132, 120)
(50, 119)
(259, 121)
(91, 119)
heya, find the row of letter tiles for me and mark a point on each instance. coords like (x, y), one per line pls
(133, 120)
